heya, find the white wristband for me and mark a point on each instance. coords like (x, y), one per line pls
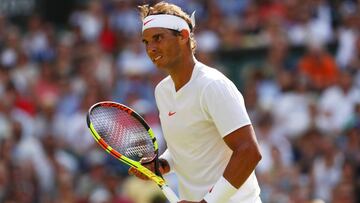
(221, 192)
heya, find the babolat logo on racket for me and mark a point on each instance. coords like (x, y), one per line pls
(117, 106)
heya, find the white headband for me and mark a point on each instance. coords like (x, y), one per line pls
(167, 21)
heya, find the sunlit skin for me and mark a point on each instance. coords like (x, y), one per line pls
(170, 52)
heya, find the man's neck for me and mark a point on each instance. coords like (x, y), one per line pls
(181, 74)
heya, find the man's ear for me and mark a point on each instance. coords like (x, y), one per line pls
(184, 35)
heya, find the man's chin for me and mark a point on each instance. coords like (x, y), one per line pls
(159, 66)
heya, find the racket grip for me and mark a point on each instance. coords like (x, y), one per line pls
(169, 194)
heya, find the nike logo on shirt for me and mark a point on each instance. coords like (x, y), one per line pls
(171, 113)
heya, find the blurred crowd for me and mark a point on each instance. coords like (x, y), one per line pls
(305, 109)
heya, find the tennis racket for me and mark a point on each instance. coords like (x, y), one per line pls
(125, 135)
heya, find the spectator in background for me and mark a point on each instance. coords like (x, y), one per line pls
(308, 19)
(11, 48)
(347, 35)
(271, 141)
(327, 169)
(107, 38)
(336, 104)
(29, 154)
(291, 106)
(123, 18)
(318, 66)
(63, 60)
(134, 70)
(76, 134)
(24, 75)
(36, 42)
(89, 21)
(207, 43)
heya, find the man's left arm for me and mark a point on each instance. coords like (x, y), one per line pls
(246, 155)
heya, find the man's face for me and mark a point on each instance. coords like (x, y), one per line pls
(162, 46)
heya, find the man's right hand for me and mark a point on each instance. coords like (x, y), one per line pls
(150, 164)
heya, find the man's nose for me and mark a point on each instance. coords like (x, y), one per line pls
(152, 48)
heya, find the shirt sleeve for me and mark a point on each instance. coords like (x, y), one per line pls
(224, 105)
(168, 157)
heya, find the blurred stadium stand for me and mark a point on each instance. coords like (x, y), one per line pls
(297, 63)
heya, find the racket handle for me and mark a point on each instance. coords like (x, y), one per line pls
(169, 194)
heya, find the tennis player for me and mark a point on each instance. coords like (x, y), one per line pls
(211, 143)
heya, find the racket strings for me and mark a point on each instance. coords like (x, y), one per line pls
(122, 132)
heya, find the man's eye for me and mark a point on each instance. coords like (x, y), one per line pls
(158, 38)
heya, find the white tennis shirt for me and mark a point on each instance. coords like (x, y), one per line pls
(194, 120)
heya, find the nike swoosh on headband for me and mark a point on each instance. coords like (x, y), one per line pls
(148, 21)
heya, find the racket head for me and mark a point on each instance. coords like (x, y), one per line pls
(121, 131)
